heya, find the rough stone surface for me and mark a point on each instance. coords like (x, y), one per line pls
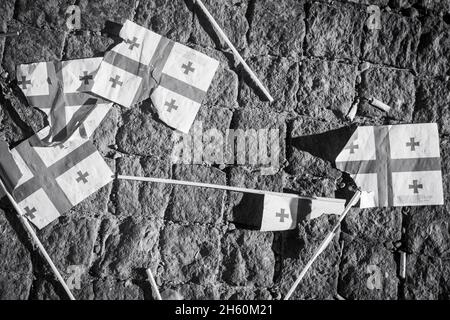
(334, 31)
(327, 89)
(94, 14)
(248, 258)
(378, 225)
(16, 267)
(281, 76)
(86, 45)
(311, 55)
(395, 44)
(428, 232)
(189, 254)
(72, 241)
(172, 19)
(32, 45)
(432, 103)
(428, 278)
(393, 87)
(433, 54)
(367, 272)
(277, 28)
(197, 205)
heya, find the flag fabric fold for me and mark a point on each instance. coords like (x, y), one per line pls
(146, 64)
(270, 212)
(9, 171)
(396, 165)
(62, 91)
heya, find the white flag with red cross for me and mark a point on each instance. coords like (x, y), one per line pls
(145, 64)
(61, 89)
(396, 165)
(56, 178)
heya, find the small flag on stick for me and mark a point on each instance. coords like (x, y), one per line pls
(54, 179)
(9, 172)
(270, 211)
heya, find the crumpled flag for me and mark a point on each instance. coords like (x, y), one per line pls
(145, 64)
(62, 91)
(271, 212)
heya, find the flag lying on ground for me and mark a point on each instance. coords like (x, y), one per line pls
(397, 165)
(61, 90)
(9, 172)
(146, 65)
(55, 178)
(271, 212)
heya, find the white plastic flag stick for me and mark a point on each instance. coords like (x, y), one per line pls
(236, 53)
(324, 244)
(37, 241)
(215, 186)
(153, 284)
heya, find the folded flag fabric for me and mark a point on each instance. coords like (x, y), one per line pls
(397, 165)
(271, 212)
(146, 64)
(56, 178)
(9, 171)
(62, 91)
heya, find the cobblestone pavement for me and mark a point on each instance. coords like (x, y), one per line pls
(310, 54)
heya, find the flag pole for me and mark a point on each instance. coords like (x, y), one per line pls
(153, 284)
(236, 53)
(324, 243)
(220, 187)
(37, 241)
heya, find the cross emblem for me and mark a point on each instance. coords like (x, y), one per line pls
(29, 212)
(188, 68)
(82, 177)
(412, 144)
(133, 43)
(24, 82)
(115, 81)
(171, 105)
(416, 186)
(281, 215)
(352, 147)
(86, 77)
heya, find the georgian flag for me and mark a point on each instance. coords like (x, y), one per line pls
(397, 165)
(146, 64)
(53, 179)
(61, 90)
(273, 212)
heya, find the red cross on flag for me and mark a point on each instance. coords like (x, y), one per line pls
(397, 165)
(277, 212)
(61, 90)
(145, 65)
(54, 179)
